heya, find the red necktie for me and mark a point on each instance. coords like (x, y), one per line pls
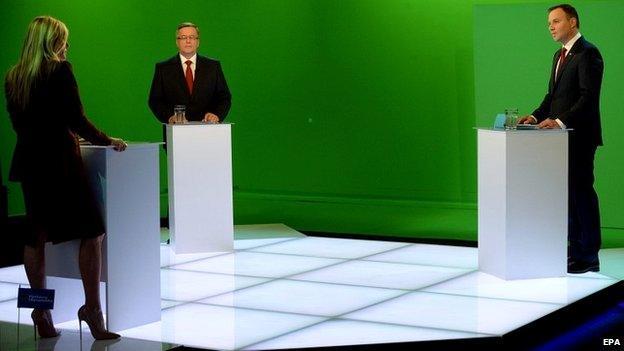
(562, 57)
(189, 76)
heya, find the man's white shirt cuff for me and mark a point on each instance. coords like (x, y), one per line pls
(561, 124)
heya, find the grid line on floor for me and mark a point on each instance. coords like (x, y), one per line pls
(290, 275)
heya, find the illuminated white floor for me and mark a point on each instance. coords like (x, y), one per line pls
(285, 290)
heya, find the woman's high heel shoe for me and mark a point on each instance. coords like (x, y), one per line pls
(95, 321)
(42, 321)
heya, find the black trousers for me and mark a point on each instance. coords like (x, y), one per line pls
(583, 211)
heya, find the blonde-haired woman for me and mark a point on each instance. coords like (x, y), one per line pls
(47, 116)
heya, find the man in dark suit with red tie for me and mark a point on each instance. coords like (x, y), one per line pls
(191, 80)
(573, 101)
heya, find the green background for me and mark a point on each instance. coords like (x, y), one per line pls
(350, 116)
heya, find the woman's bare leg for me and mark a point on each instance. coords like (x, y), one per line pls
(34, 262)
(90, 261)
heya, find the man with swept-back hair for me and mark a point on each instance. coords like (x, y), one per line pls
(573, 101)
(191, 80)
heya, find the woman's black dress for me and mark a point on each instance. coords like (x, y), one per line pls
(47, 160)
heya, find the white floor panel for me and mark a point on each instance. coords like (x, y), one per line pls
(189, 286)
(164, 304)
(332, 248)
(382, 274)
(247, 244)
(217, 327)
(258, 264)
(563, 290)
(305, 297)
(343, 332)
(433, 255)
(280, 289)
(169, 258)
(457, 313)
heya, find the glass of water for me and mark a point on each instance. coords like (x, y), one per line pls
(511, 118)
(179, 114)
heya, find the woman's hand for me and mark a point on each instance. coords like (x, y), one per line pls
(118, 144)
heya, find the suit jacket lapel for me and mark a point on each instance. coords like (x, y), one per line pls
(553, 71)
(199, 74)
(571, 55)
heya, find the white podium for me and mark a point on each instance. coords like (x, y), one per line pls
(127, 188)
(199, 157)
(523, 203)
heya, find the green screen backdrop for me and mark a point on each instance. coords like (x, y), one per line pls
(350, 116)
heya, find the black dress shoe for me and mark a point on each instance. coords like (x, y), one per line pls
(578, 267)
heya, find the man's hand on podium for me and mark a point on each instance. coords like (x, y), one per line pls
(527, 120)
(177, 119)
(549, 124)
(211, 118)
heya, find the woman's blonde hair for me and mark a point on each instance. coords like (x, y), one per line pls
(45, 40)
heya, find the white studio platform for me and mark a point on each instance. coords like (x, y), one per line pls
(127, 188)
(523, 203)
(199, 169)
(272, 293)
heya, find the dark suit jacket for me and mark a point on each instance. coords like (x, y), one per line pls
(574, 96)
(47, 129)
(47, 159)
(210, 90)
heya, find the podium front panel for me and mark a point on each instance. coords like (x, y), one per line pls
(523, 203)
(200, 187)
(126, 187)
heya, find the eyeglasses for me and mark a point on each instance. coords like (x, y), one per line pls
(187, 37)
